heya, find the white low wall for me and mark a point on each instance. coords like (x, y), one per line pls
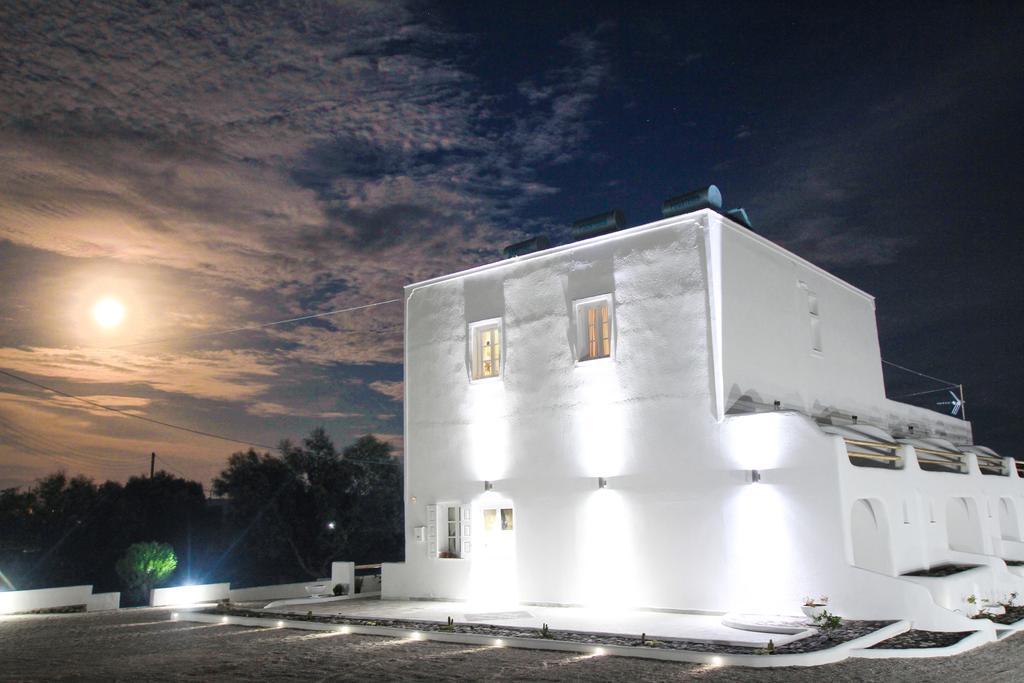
(370, 584)
(344, 573)
(12, 602)
(99, 602)
(188, 595)
(274, 592)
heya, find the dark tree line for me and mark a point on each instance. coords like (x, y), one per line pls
(284, 517)
(309, 505)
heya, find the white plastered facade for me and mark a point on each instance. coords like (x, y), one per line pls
(712, 324)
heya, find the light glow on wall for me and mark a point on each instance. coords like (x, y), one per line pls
(190, 594)
(759, 548)
(488, 430)
(600, 422)
(606, 557)
(492, 574)
(756, 442)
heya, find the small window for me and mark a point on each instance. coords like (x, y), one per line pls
(498, 519)
(815, 318)
(594, 328)
(453, 545)
(486, 351)
(448, 534)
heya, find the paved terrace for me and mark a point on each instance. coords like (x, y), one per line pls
(144, 644)
(659, 625)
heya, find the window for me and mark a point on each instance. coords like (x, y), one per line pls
(486, 351)
(496, 519)
(812, 311)
(448, 534)
(454, 539)
(594, 328)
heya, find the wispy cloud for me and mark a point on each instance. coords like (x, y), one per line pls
(246, 163)
(393, 390)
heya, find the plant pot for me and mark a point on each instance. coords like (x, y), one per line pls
(813, 611)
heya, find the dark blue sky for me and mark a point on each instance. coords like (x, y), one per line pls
(219, 164)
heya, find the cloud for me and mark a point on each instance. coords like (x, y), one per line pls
(242, 163)
(270, 409)
(228, 375)
(393, 390)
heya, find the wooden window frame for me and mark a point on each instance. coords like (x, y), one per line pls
(588, 335)
(476, 334)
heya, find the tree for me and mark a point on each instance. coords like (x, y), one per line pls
(145, 566)
(296, 512)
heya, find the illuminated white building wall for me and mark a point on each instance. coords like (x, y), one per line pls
(704, 313)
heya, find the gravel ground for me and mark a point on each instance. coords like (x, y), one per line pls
(142, 644)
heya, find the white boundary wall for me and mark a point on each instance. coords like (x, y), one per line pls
(273, 592)
(189, 595)
(12, 602)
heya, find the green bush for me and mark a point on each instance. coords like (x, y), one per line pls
(145, 566)
(828, 623)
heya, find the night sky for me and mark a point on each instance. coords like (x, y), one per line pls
(218, 165)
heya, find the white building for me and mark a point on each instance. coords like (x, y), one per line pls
(587, 424)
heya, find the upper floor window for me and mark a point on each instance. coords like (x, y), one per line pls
(815, 318)
(486, 351)
(594, 326)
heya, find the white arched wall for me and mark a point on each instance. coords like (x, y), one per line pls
(869, 530)
(963, 528)
(1009, 529)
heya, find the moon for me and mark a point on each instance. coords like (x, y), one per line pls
(108, 312)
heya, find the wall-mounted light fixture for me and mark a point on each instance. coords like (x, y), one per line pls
(488, 486)
(777, 405)
(602, 483)
(755, 476)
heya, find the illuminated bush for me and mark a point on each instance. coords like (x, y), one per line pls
(145, 566)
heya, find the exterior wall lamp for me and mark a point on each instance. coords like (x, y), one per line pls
(755, 476)
(488, 486)
(602, 483)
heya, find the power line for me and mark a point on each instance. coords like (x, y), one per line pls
(89, 458)
(929, 391)
(921, 374)
(259, 326)
(169, 424)
(173, 469)
(133, 415)
(22, 442)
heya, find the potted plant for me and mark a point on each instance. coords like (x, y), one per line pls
(980, 608)
(813, 607)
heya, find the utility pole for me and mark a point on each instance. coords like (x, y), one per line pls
(152, 464)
